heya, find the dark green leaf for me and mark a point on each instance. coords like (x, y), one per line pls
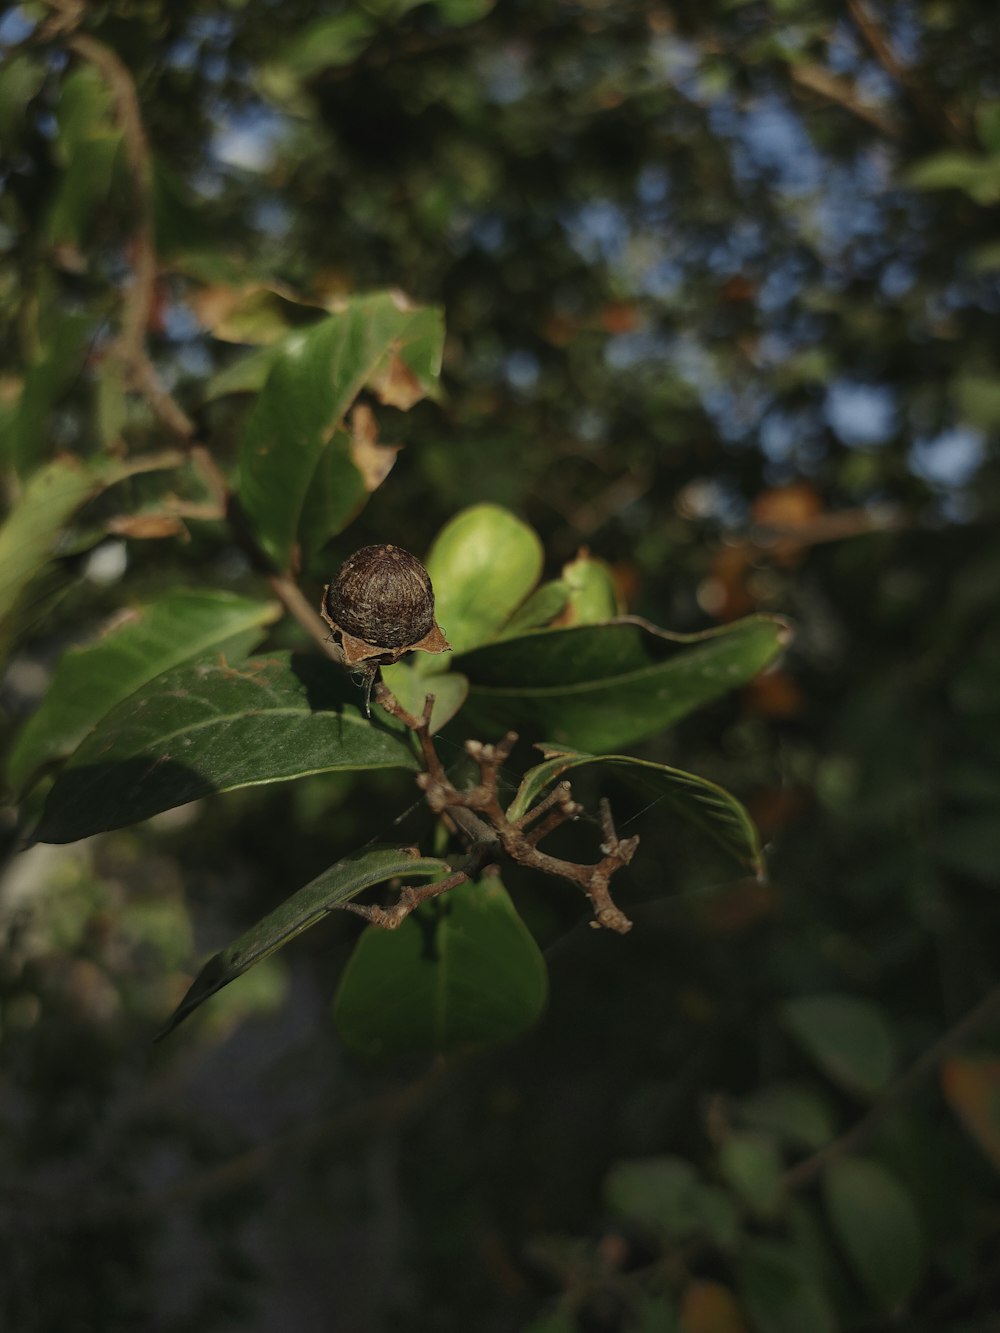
(52, 371)
(709, 807)
(793, 1111)
(877, 1226)
(21, 77)
(483, 564)
(211, 727)
(461, 973)
(31, 533)
(779, 1295)
(751, 1165)
(597, 687)
(667, 1195)
(138, 646)
(330, 890)
(849, 1039)
(379, 341)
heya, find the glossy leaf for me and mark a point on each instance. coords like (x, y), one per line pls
(779, 1294)
(461, 973)
(972, 1088)
(874, 1220)
(378, 341)
(848, 1038)
(328, 891)
(700, 802)
(213, 726)
(31, 533)
(483, 564)
(598, 687)
(411, 689)
(139, 645)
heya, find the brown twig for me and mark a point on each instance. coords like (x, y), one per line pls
(478, 816)
(922, 1068)
(938, 117)
(815, 78)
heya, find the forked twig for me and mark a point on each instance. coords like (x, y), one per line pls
(477, 815)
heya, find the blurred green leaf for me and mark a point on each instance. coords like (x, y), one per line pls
(334, 887)
(849, 1039)
(211, 727)
(51, 373)
(87, 143)
(461, 973)
(544, 604)
(378, 341)
(709, 807)
(779, 1295)
(597, 687)
(988, 126)
(876, 1224)
(21, 77)
(32, 531)
(140, 644)
(666, 1195)
(796, 1113)
(483, 564)
(978, 398)
(592, 597)
(977, 175)
(751, 1165)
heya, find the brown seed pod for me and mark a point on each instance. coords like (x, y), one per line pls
(381, 606)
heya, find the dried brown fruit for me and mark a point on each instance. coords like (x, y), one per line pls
(381, 607)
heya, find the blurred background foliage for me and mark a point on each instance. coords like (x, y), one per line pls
(720, 285)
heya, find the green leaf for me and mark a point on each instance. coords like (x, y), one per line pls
(593, 597)
(848, 1038)
(483, 564)
(544, 604)
(87, 144)
(334, 887)
(244, 374)
(978, 175)
(144, 642)
(411, 689)
(379, 341)
(30, 535)
(874, 1220)
(21, 78)
(598, 687)
(751, 1165)
(461, 973)
(709, 807)
(793, 1111)
(779, 1295)
(212, 727)
(51, 373)
(667, 1195)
